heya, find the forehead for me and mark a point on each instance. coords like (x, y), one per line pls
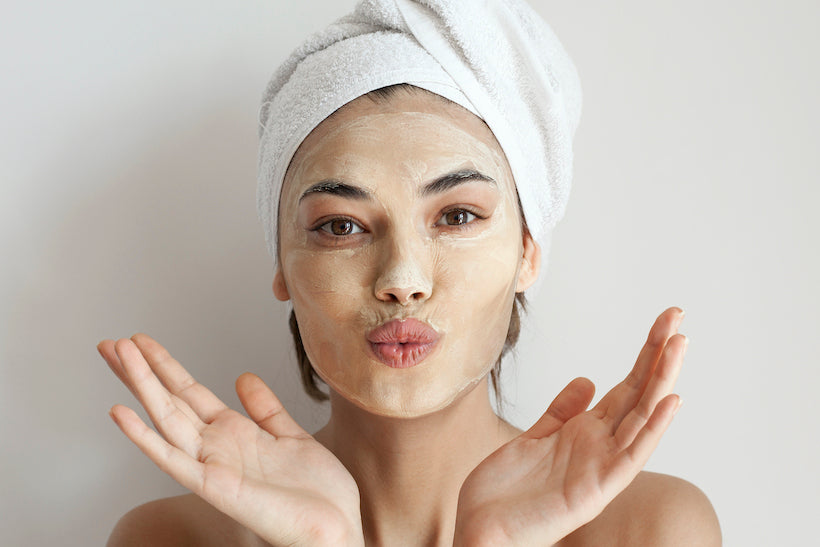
(406, 126)
(402, 102)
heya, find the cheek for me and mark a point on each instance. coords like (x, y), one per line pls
(322, 287)
(483, 267)
(323, 279)
(477, 285)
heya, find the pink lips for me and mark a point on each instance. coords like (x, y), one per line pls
(402, 344)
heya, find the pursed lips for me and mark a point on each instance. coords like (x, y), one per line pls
(402, 343)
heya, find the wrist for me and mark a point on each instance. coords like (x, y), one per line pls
(480, 532)
(487, 530)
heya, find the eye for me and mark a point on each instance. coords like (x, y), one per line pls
(341, 227)
(456, 217)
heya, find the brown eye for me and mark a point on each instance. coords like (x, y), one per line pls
(456, 217)
(341, 227)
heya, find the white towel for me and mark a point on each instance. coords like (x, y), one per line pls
(497, 58)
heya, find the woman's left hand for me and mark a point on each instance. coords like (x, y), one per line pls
(563, 471)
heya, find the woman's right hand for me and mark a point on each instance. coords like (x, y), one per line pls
(265, 472)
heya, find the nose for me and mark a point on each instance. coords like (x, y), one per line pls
(405, 275)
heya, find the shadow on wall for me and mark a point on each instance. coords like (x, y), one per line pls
(168, 244)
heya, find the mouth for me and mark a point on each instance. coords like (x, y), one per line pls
(402, 344)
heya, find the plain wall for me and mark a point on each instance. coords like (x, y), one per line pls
(127, 165)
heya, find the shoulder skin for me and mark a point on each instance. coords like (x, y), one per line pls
(180, 520)
(656, 509)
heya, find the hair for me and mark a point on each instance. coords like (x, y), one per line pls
(311, 380)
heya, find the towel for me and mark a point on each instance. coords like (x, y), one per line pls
(496, 58)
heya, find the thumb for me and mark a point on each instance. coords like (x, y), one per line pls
(572, 400)
(264, 407)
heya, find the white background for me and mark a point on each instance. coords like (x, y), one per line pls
(127, 165)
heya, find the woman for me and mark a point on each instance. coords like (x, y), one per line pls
(406, 225)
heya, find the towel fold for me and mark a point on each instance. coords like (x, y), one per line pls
(497, 58)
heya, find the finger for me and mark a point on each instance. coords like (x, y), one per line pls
(632, 460)
(179, 425)
(183, 468)
(264, 407)
(572, 400)
(106, 350)
(660, 385)
(178, 380)
(622, 398)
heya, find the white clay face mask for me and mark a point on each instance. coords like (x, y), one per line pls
(400, 248)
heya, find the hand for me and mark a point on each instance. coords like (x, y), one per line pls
(565, 469)
(265, 472)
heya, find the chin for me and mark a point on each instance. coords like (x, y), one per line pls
(401, 401)
(400, 409)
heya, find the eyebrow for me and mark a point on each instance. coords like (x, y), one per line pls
(451, 180)
(337, 188)
(438, 186)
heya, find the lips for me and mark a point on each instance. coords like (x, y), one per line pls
(402, 344)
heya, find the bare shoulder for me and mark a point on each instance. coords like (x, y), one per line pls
(179, 520)
(655, 509)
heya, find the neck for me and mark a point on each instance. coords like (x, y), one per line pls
(410, 470)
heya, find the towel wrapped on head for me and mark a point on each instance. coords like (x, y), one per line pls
(496, 58)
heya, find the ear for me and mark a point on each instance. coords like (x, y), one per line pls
(530, 264)
(280, 290)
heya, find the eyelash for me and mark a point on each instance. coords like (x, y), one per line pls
(324, 225)
(464, 225)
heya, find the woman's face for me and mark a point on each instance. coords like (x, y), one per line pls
(401, 249)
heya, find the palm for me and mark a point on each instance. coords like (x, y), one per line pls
(265, 472)
(252, 475)
(564, 470)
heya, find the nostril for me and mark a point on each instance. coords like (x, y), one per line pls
(402, 287)
(402, 297)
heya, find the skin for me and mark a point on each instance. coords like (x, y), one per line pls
(402, 258)
(417, 457)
